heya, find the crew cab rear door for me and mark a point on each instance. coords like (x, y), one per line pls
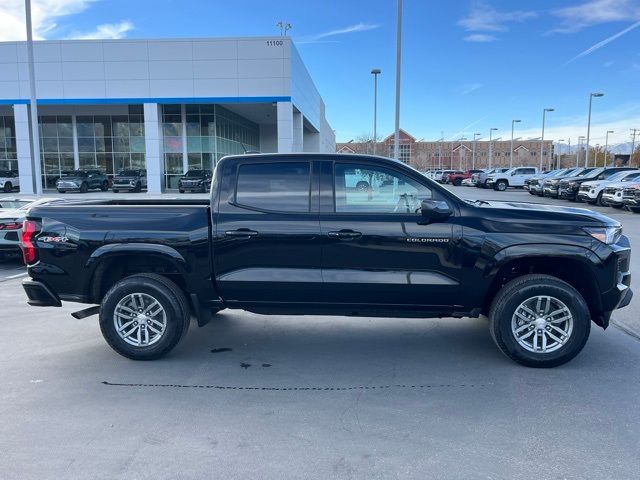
(266, 245)
(377, 249)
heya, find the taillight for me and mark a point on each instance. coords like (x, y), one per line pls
(10, 226)
(29, 231)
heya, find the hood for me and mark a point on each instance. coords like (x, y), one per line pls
(72, 178)
(200, 177)
(541, 214)
(619, 184)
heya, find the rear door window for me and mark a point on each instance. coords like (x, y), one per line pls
(280, 187)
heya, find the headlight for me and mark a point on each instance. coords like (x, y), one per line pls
(606, 235)
(573, 184)
(554, 182)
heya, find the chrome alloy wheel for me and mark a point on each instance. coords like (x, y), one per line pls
(139, 319)
(542, 324)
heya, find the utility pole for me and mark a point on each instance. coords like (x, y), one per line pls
(580, 140)
(633, 142)
(511, 152)
(558, 155)
(491, 130)
(35, 133)
(396, 140)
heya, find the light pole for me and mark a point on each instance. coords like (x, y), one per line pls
(606, 146)
(440, 152)
(375, 72)
(35, 134)
(633, 142)
(396, 140)
(473, 155)
(558, 156)
(491, 130)
(544, 115)
(580, 140)
(591, 95)
(511, 153)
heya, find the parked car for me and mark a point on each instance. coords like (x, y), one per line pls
(443, 177)
(550, 185)
(534, 184)
(569, 186)
(9, 180)
(281, 234)
(82, 181)
(467, 182)
(482, 177)
(591, 191)
(11, 203)
(456, 178)
(133, 180)
(631, 197)
(199, 180)
(11, 226)
(514, 177)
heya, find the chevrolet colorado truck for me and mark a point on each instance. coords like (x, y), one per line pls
(292, 234)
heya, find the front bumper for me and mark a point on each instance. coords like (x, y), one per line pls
(40, 295)
(550, 191)
(126, 186)
(586, 196)
(193, 188)
(567, 193)
(608, 199)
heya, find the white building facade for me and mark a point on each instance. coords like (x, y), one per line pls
(164, 105)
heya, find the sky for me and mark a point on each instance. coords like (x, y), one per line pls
(467, 65)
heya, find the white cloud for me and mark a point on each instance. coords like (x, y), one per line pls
(479, 37)
(358, 27)
(594, 12)
(45, 15)
(604, 42)
(107, 30)
(484, 18)
(470, 87)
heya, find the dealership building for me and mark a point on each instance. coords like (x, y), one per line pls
(163, 105)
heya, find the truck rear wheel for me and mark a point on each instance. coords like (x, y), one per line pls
(539, 321)
(501, 186)
(144, 316)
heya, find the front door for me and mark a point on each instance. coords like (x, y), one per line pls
(266, 246)
(377, 249)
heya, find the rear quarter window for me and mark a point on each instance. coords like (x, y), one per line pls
(279, 187)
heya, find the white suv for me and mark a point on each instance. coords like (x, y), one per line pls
(592, 191)
(514, 177)
(9, 180)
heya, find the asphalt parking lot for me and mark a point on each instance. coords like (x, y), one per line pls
(252, 396)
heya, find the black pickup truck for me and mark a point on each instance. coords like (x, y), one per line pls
(293, 234)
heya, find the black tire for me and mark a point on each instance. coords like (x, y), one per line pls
(634, 209)
(84, 188)
(115, 190)
(532, 193)
(8, 187)
(105, 186)
(181, 191)
(513, 294)
(138, 188)
(362, 186)
(501, 185)
(457, 182)
(62, 191)
(616, 205)
(599, 199)
(165, 292)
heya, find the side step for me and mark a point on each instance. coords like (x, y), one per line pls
(87, 312)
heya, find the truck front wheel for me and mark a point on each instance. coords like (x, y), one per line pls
(539, 321)
(144, 316)
(501, 186)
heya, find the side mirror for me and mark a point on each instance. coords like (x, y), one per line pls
(513, 174)
(434, 210)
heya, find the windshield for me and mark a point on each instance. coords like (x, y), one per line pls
(11, 204)
(623, 176)
(75, 173)
(196, 173)
(129, 173)
(594, 173)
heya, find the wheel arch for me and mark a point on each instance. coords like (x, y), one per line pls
(574, 265)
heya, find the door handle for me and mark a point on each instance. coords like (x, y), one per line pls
(345, 234)
(241, 232)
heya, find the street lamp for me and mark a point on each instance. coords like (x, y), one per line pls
(511, 153)
(591, 95)
(491, 130)
(558, 156)
(580, 140)
(35, 134)
(375, 72)
(606, 146)
(396, 139)
(473, 155)
(544, 115)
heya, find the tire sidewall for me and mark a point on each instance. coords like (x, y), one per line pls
(163, 295)
(581, 325)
